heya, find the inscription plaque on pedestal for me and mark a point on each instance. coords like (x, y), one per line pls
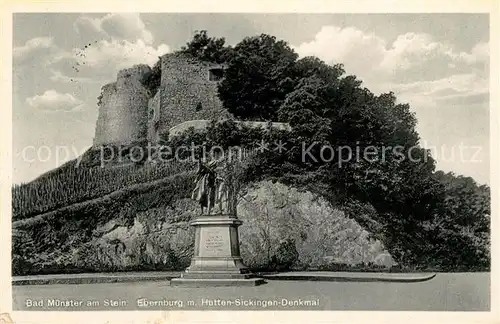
(216, 260)
(215, 242)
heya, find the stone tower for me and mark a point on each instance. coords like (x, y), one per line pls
(188, 91)
(123, 108)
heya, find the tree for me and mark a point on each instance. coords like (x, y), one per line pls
(254, 83)
(206, 48)
(461, 233)
(265, 81)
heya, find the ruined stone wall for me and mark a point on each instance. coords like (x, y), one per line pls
(186, 93)
(154, 111)
(123, 108)
(128, 113)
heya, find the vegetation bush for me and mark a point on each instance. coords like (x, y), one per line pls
(153, 81)
(286, 255)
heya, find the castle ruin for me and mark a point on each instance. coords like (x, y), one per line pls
(129, 112)
(186, 97)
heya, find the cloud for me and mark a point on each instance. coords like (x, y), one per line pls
(360, 52)
(465, 99)
(454, 84)
(53, 101)
(88, 25)
(415, 49)
(57, 76)
(38, 49)
(453, 91)
(124, 26)
(421, 71)
(371, 57)
(103, 59)
(480, 53)
(123, 42)
(120, 53)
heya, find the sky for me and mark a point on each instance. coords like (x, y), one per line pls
(437, 63)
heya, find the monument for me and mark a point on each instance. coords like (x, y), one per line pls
(216, 260)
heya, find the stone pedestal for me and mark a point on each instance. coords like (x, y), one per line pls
(216, 260)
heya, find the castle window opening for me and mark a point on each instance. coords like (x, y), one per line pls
(215, 74)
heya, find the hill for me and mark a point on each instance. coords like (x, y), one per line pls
(348, 176)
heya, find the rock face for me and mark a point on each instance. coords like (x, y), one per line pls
(160, 238)
(282, 224)
(123, 108)
(148, 228)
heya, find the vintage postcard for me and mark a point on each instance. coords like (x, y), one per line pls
(283, 162)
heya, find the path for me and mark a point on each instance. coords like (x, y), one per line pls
(445, 292)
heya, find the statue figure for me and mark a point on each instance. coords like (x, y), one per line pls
(211, 188)
(218, 184)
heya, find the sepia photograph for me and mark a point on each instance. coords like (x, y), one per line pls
(250, 161)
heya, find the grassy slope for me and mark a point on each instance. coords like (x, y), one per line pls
(38, 240)
(76, 183)
(108, 200)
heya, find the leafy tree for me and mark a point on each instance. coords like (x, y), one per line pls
(265, 81)
(206, 48)
(254, 84)
(464, 224)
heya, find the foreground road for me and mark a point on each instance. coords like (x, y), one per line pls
(446, 292)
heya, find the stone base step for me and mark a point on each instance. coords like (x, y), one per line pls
(206, 282)
(216, 275)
